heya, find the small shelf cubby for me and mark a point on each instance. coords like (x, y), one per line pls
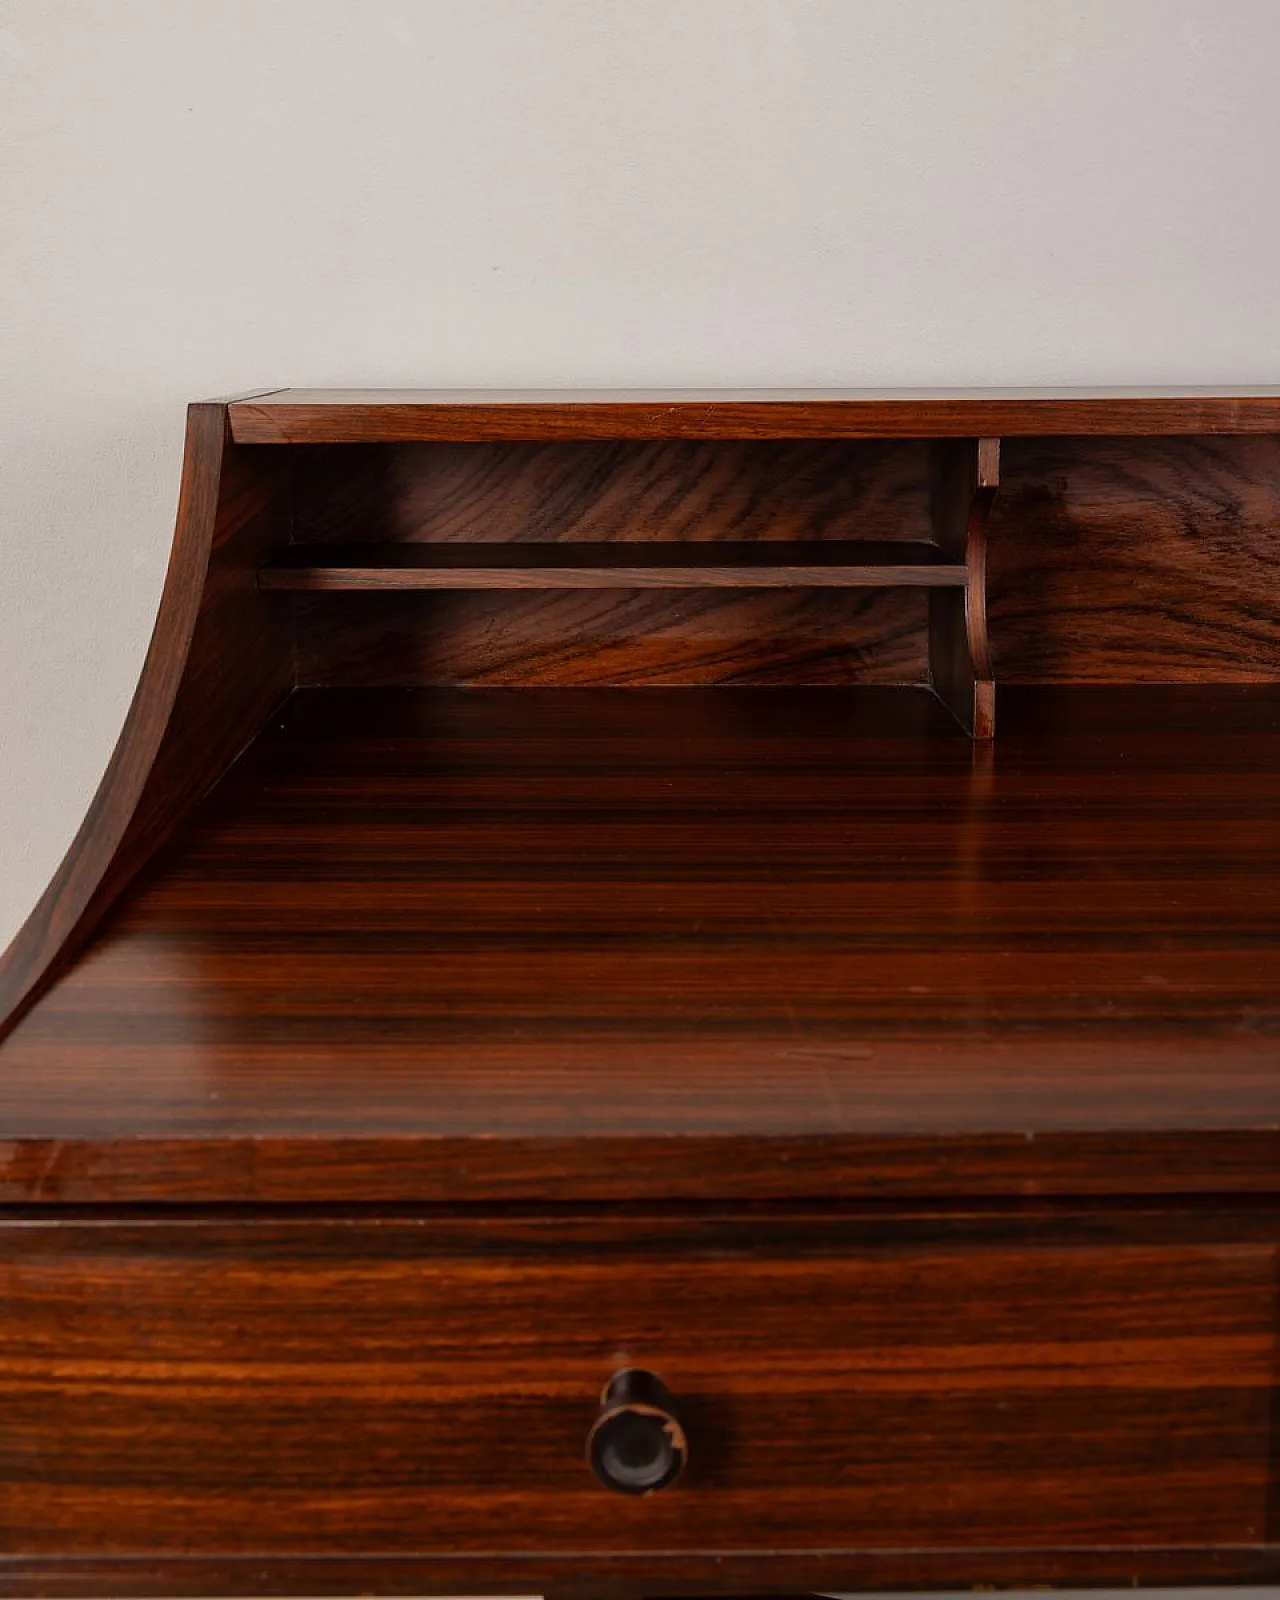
(625, 562)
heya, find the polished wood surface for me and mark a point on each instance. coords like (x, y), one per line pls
(599, 944)
(332, 1386)
(1124, 561)
(588, 638)
(779, 564)
(909, 1105)
(1109, 561)
(318, 416)
(221, 658)
(667, 491)
(671, 493)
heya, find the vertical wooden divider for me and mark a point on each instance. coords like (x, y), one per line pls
(966, 475)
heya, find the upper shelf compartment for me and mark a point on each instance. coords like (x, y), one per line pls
(776, 564)
(753, 559)
(388, 416)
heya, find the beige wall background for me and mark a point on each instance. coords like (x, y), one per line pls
(199, 196)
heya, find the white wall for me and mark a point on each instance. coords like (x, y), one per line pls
(199, 196)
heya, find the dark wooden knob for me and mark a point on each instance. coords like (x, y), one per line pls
(637, 1444)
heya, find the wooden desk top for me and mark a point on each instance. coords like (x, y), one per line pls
(688, 943)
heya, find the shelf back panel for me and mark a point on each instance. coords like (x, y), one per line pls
(593, 492)
(615, 637)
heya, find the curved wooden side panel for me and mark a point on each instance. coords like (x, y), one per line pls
(220, 660)
(967, 475)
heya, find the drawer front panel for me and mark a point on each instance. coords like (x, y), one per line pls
(335, 1386)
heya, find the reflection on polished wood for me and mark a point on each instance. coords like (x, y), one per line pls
(543, 918)
(808, 934)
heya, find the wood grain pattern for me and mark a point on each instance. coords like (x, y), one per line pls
(1137, 561)
(220, 659)
(1111, 560)
(590, 638)
(689, 944)
(885, 1095)
(672, 493)
(427, 1385)
(779, 564)
(317, 416)
(666, 491)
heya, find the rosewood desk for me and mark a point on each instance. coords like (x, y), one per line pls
(666, 994)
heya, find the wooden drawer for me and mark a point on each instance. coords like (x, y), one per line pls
(390, 1385)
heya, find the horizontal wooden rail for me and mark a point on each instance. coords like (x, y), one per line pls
(618, 565)
(371, 416)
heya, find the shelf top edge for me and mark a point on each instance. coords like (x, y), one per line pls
(306, 416)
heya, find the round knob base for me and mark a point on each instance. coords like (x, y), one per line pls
(637, 1445)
